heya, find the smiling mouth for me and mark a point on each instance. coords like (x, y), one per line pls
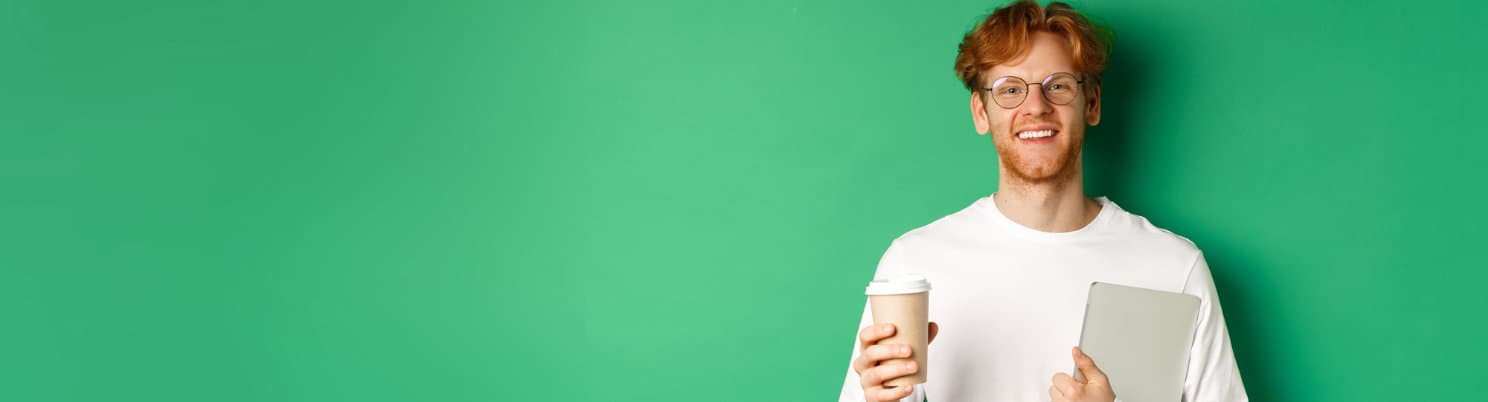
(1037, 135)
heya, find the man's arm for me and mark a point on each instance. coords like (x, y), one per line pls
(890, 263)
(1212, 373)
(852, 386)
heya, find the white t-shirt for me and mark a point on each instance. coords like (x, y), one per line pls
(1010, 301)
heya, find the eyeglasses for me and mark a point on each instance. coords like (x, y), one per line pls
(1058, 88)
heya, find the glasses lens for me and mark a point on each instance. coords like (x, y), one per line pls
(1060, 88)
(1008, 92)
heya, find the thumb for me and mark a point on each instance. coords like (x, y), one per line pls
(934, 329)
(1092, 374)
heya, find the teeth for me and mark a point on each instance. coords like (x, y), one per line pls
(1036, 134)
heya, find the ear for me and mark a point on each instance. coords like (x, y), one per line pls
(979, 114)
(1092, 108)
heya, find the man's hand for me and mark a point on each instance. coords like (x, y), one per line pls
(871, 354)
(1095, 388)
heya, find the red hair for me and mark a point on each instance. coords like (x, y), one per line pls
(1007, 34)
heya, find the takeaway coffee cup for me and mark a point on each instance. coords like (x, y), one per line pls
(905, 302)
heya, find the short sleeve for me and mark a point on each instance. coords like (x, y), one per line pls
(1212, 373)
(852, 389)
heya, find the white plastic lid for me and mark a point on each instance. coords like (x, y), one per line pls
(905, 284)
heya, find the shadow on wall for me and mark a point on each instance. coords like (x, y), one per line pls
(1107, 156)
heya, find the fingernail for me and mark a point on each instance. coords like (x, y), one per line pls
(904, 350)
(909, 367)
(887, 328)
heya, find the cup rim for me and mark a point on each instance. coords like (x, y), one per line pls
(903, 284)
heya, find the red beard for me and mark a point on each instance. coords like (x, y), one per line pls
(1042, 169)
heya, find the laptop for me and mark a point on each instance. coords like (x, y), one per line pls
(1140, 338)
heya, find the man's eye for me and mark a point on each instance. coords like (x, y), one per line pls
(1010, 90)
(1056, 86)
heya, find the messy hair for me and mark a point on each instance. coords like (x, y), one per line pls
(1007, 34)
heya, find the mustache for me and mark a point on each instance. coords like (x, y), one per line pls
(1036, 123)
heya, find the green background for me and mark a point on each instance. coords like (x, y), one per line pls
(611, 201)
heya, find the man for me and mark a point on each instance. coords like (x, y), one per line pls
(1011, 270)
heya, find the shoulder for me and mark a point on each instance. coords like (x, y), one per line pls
(961, 227)
(1138, 226)
(1139, 232)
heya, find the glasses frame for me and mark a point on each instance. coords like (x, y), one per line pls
(1043, 88)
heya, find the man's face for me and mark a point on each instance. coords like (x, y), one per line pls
(1028, 158)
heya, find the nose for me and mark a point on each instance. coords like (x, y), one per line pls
(1036, 104)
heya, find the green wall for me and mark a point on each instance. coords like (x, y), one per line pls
(611, 201)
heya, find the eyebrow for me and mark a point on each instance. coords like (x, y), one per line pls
(995, 77)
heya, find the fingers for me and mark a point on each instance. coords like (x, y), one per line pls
(1066, 385)
(889, 393)
(1056, 395)
(934, 329)
(872, 333)
(868, 336)
(1087, 367)
(876, 376)
(878, 353)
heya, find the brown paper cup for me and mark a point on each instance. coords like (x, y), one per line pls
(904, 302)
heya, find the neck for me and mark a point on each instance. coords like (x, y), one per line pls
(1058, 205)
